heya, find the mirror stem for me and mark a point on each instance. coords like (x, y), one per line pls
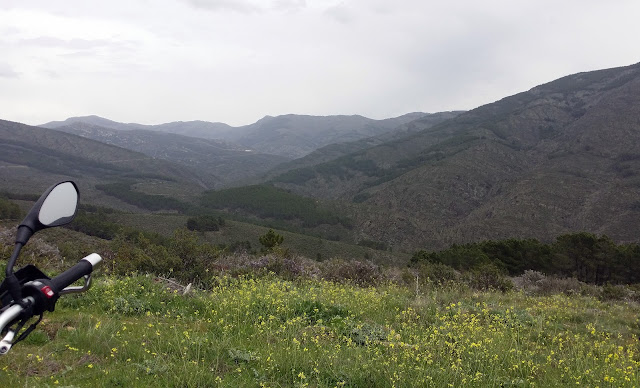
(23, 235)
(13, 283)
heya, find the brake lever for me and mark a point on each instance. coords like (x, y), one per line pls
(78, 289)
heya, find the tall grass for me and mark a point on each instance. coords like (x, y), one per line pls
(135, 332)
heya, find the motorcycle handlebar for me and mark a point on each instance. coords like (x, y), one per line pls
(70, 276)
(42, 294)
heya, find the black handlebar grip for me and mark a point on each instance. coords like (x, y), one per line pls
(70, 276)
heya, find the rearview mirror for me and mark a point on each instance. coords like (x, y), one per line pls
(57, 206)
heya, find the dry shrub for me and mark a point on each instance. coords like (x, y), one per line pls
(363, 273)
(283, 266)
(537, 283)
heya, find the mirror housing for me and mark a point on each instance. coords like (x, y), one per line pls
(57, 206)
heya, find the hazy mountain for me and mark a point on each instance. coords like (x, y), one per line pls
(217, 163)
(563, 156)
(337, 150)
(32, 158)
(289, 136)
(296, 135)
(202, 129)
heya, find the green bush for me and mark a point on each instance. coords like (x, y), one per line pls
(437, 273)
(183, 255)
(315, 311)
(205, 223)
(270, 240)
(489, 277)
(9, 210)
(364, 333)
(613, 292)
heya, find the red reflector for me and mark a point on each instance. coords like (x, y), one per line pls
(47, 291)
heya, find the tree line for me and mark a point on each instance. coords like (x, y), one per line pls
(584, 256)
(271, 202)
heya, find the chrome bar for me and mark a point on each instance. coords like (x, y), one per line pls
(78, 289)
(6, 318)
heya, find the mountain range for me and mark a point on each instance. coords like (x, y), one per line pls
(215, 162)
(290, 136)
(225, 156)
(561, 157)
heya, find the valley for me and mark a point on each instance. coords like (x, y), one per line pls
(559, 158)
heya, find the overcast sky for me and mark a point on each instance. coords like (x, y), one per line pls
(235, 61)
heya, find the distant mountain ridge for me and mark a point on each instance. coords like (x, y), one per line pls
(217, 163)
(334, 151)
(203, 129)
(290, 136)
(32, 158)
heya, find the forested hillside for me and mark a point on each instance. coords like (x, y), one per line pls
(561, 157)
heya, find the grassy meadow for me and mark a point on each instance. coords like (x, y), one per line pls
(279, 320)
(264, 331)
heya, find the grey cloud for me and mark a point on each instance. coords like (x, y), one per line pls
(248, 6)
(225, 5)
(9, 4)
(76, 44)
(51, 74)
(7, 71)
(83, 47)
(340, 13)
(78, 54)
(289, 5)
(9, 31)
